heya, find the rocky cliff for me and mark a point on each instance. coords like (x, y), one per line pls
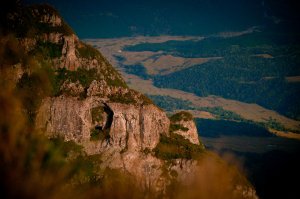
(130, 127)
(89, 103)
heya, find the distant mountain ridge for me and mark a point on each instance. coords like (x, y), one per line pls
(99, 19)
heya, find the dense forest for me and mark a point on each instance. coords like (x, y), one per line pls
(254, 68)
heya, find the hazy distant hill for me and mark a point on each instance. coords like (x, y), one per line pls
(117, 18)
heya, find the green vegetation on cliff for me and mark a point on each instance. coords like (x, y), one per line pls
(111, 76)
(176, 127)
(97, 114)
(47, 50)
(99, 134)
(84, 76)
(87, 51)
(181, 116)
(176, 146)
(130, 97)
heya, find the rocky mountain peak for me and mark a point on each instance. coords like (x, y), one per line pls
(48, 15)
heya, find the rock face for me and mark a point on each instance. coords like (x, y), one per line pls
(137, 128)
(146, 168)
(132, 130)
(70, 59)
(66, 117)
(131, 127)
(191, 134)
(51, 19)
(72, 88)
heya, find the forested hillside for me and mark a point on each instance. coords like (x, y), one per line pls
(260, 68)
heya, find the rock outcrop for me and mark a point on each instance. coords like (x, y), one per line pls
(136, 128)
(132, 127)
(184, 125)
(69, 59)
(191, 134)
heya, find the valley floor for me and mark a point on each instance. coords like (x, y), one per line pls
(113, 50)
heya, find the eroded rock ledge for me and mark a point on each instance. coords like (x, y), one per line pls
(133, 127)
